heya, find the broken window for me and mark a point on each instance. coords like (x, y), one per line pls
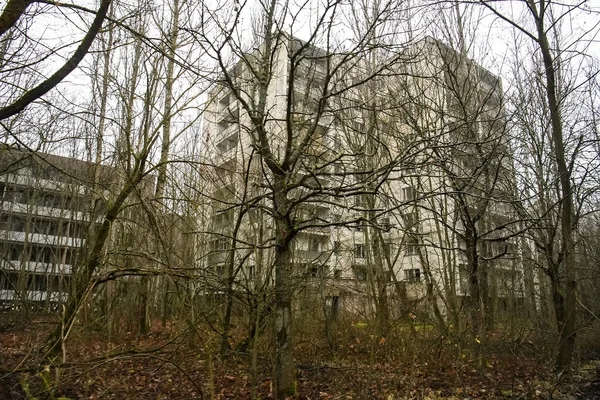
(412, 275)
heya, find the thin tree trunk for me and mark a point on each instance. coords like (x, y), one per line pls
(475, 301)
(284, 361)
(83, 280)
(166, 135)
(103, 102)
(144, 323)
(167, 112)
(568, 329)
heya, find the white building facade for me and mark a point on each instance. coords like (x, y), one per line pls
(44, 219)
(400, 158)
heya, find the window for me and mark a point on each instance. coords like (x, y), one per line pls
(251, 271)
(8, 280)
(318, 271)
(511, 249)
(412, 275)
(5, 222)
(225, 98)
(224, 172)
(384, 201)
(53, 282)
(67, 255)
(464, 278)
(410, 220)
(16, 195)
(385, 224)
(503, 249)
(357, 126)
(51, 200)
(337, 274)
(223, 218)
(409, 193)
(42, 254)
(321, 62)
(387, 248)
(409, 172)
(15, 252)
(332, 305)
(37, 283)
(360, 251)
(360, 273)
(506, 281)
(411, 246)
(220, 244)
(497, 249)
(314, 245)
(13, 223)
(76, 230)
(361, 200)
(228, 143)
(66, 281)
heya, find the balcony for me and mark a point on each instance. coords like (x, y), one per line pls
(20, 208)
(229, 115)
(217, 257)
(39, 183)
(317, 230)
(37, 266)
(311, 256)
(228, 143)
(43, 239)
(33, 295)
(487, 77)
(224, 99)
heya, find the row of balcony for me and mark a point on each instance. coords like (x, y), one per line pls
(33, 295)
(37, 267)
(41, 239)
(11, 207)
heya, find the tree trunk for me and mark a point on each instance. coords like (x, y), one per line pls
(568, 328)
(285, 384)
(11, 14)
(475, 293)
(167, 112)
(382, 310)
(83, 277)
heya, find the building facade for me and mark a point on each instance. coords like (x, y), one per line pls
(45, 213)
(401, 194)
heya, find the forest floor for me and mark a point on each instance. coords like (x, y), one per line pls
(162, 365)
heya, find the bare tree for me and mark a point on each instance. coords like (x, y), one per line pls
(13, 11)
(289, 91)
(461, 183)
(135, 136)
(539, 22)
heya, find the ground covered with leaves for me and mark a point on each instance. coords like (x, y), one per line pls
(170, 363)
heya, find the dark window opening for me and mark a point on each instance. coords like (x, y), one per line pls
(360, 273)
(412, 275)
